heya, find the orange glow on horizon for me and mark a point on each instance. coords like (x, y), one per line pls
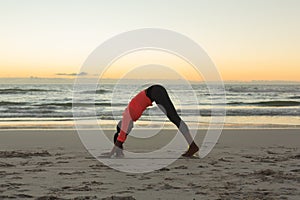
(228, 74)
(235, 70)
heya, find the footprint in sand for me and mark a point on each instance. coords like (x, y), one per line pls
(23, 154)
(181, 167)
(77, 188)
(49, 198)
(71, 173)
(4, 164)
(119, 198)
(35, 170)
(23, 196)
(45, 163)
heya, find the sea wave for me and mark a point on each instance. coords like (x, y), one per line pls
(99, 91)
(262, 89)
(24, 91)
(70, 104)
(268, 103)
(250, 112)
(294, 97)
(29, 105)
(10, 103)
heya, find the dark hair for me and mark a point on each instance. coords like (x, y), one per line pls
(116, 136)
(130, 126)
(118, 131)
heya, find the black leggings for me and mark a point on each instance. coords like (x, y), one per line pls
(159, 95)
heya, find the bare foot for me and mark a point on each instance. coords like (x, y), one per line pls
(191, 151)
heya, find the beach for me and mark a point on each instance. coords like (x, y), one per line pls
(244, 164)
(78, 78)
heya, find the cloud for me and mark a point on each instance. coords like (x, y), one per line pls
(72, 74)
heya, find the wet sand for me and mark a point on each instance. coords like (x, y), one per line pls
(245, 164)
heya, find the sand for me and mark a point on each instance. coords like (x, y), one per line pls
(245, 164)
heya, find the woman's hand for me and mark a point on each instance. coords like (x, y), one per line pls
(105, 155)
(117, 149)
(119, 153)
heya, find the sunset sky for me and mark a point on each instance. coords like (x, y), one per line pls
(246, 39)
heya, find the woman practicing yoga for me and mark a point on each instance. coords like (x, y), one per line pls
(136, 107)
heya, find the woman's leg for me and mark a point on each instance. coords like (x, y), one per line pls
(159, 94)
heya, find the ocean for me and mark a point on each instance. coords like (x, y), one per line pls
(248, 105)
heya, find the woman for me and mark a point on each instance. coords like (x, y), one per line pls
(136, 107)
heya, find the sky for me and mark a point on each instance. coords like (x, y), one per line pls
(246, 39)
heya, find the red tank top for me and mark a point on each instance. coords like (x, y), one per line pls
(138, 105)
(133, 112)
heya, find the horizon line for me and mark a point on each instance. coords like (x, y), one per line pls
(134, 79)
